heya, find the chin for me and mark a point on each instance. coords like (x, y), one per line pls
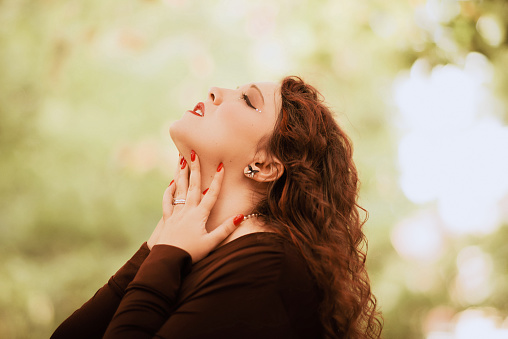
(177, 135)
(173, 130)
(187, 136)
(182, 137)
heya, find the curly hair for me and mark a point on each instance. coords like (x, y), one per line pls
(314, 205)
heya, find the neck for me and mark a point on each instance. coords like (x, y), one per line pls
(237, 195)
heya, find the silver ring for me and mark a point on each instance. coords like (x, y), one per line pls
(178, 201)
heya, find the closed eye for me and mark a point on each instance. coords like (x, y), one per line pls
(247, 100)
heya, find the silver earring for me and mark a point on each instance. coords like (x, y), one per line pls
(251, 172)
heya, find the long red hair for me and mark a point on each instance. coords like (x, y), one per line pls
(314, 205)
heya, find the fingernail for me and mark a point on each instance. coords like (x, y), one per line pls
(238, 219)
(192, 156)
(183, 164)
(181, 160)
(171, 183)
(220, 167)
(204, 192)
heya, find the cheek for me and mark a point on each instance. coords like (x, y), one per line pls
(246, 130)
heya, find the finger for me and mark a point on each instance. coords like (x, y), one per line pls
(172, 185)
(178, 165)
(177, 168)
(167, 200)
(225, 229)
(182, 182)
(213, 192)
(194, 191)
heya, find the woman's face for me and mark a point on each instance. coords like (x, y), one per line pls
(228, 126)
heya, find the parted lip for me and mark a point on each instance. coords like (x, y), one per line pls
(199, 110)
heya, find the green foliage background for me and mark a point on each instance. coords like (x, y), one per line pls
(88, 90)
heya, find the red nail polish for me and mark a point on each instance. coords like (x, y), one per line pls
(238, 219)
(171, 183)
(183, 164)
(204, 192)
(181, 160)
(192, 156)
(220, 167)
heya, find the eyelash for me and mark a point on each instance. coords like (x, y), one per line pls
(246, 99)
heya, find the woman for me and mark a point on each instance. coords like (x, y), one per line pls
(261, 235)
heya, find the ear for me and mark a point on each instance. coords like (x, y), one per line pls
(264, 168)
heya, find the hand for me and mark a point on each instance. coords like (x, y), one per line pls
(160, 225)
(183, 225)
(155, 234)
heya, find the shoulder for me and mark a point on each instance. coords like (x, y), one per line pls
(286, 272)
(260, 280)
(255, 256)
(262, 257)
(262, 247)
(265, 252)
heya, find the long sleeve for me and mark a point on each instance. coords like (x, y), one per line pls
(92, 319)
(254, 287)
(151, 295)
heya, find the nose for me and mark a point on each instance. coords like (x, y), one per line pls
(215, 94)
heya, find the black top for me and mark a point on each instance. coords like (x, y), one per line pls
(256, 286)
